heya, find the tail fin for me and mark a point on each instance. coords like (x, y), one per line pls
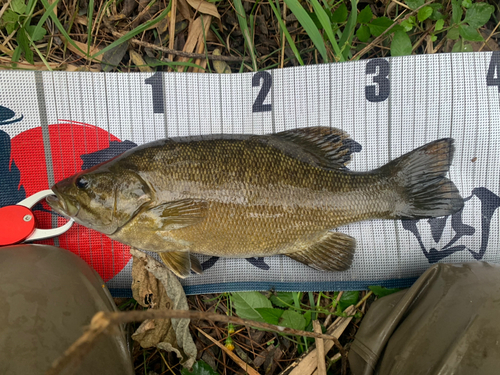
(425, 190)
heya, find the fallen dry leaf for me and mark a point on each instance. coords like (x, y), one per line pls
(83, 47)
(195, 37)
(155, 286)
(204, 7)
(139, 61)
(112, 58)
(185, 11)
(200, 48)
(220, 67)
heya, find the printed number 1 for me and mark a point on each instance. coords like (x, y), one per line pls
(156, 82)
(381, 80)
(258, 105)
(494, 67)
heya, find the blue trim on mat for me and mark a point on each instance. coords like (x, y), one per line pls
(121, 292)
(323, 286)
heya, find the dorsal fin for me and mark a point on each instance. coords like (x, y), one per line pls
(322, 146)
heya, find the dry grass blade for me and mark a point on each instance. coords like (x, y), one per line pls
(197, 30)
(171, 27)
(81, 47)
(320, 347)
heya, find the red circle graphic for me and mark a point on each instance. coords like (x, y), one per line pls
(68, 141)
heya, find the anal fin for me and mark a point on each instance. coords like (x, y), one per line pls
(333, 252)
(181, 262)
(195, 265)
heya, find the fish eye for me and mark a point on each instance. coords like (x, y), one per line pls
(82, 183)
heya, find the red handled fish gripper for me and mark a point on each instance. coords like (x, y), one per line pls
(18, 224)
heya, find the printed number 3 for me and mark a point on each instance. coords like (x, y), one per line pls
(381, 80)
(258, 105)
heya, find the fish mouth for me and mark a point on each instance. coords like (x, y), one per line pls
(63, 206)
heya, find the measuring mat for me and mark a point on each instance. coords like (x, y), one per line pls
(54, 124)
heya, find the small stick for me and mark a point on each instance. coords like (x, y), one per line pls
(171, 27)
(403, 5)
(245, 366)
(173, 51)
(489, 37)
(320, 347)
(4, 8)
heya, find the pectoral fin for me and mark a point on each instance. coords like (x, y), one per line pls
(181, 262)
(333, 252)
(175, 215)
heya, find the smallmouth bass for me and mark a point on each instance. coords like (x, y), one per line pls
(253, 195)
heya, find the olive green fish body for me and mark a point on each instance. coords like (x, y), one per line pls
(247, 196)
(259, 201)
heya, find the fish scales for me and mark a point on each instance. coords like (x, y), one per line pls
(247, 196)
(260, 201)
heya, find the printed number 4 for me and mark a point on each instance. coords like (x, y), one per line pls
(494, 67)
(258, 105)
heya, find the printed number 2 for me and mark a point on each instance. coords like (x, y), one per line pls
(381, 80)
(494, 67)
(156, 82)
(258, 105)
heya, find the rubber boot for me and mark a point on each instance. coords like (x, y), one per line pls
(48, 295)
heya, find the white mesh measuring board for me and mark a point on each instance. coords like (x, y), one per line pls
(52, 124)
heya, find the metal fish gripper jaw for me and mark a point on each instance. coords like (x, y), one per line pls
(18, 223)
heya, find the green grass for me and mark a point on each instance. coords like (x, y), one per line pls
(324, 31)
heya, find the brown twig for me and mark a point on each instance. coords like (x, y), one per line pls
(489, 37)
(4, 8)
(105, 322)
(173, 51)
(184, 54)
(171, 27)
